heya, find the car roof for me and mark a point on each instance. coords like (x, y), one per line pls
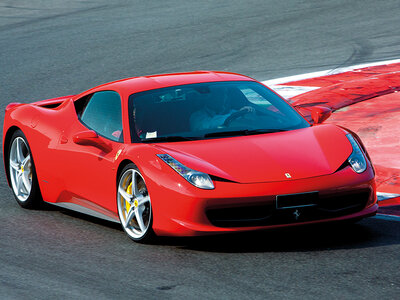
(126, 87)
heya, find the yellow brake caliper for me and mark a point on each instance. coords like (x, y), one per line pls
(129, 191)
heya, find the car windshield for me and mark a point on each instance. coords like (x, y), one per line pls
(209, 110)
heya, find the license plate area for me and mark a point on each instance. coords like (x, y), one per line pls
(296, 200)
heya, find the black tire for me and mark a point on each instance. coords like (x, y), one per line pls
(139, 226)
(29, 198)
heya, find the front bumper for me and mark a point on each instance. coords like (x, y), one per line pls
(180, 209)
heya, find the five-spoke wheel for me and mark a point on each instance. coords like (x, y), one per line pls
(22, 171)
(134, 205)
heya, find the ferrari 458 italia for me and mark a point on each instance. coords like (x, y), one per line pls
(186, 154)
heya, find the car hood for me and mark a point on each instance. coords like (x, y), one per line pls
(302, 153)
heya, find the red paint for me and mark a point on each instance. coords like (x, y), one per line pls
(75, 165)
(391, 202)
(266, 158)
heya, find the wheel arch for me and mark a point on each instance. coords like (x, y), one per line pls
(121, 166)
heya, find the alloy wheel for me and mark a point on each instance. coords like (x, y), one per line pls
(134, 205)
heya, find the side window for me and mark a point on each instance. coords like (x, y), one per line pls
(102, 114)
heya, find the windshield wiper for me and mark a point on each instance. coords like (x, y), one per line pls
(242, 132)
(169, 138)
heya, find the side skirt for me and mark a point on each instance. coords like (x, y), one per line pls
(85, 210)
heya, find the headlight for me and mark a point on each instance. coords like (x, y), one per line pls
(356, 159)
(198, 179)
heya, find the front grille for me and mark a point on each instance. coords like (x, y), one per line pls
(310, 207)
(240, 216)
(346, 202)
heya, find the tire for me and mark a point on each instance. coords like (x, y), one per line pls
(23, 178)
(134, 205)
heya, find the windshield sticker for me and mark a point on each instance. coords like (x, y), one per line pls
(151, 135)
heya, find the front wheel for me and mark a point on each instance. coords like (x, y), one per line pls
(23, 177)
(134, 205)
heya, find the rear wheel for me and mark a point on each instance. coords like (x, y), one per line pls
(23, 177)
(134, 205)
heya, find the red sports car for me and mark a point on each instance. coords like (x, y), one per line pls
(186, 154)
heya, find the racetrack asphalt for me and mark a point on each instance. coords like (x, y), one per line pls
(62, 48)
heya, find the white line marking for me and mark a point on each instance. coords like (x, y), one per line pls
(385, 196)
(387, 217)
(327, 72)
(291, 91)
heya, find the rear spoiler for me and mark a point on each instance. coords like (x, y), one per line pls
(12, 105)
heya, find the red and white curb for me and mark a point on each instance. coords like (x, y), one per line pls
(282, 80)
(385, 196)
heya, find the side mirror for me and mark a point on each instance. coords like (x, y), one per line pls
(91, 138)
(320, 113)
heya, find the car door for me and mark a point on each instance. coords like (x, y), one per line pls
(89, 149)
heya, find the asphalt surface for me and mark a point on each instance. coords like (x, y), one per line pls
(64, 47)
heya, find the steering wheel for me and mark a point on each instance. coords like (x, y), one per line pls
(237, 114)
